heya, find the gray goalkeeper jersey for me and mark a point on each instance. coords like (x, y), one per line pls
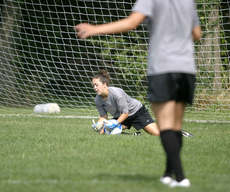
(170, 23)
(118, 102)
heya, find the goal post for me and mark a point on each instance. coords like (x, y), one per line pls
(42, 60)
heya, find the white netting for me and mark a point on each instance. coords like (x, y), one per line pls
(42, 60)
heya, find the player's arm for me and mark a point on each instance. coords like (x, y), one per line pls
(85, 30)
(196, 33)
(122, 117)
(100, 120)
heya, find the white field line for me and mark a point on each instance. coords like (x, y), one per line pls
(205, 121)
(47, 116)
(92, 117)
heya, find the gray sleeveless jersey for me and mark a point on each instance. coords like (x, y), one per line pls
(118, 102)
(170, 24)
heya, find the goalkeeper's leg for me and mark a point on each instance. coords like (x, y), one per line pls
(125, 127)
(152, 129)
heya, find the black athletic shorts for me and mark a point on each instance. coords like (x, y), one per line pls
(171, 86)
(139, 120)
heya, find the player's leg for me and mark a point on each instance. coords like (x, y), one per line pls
(125, 127)
(166, 118)
(142, 120)
(165, 114)
(152, 129)
(125, 133)
(179, 112)
(171, 89)
(180, 107)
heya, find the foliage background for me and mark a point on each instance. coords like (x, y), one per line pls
(52, 64)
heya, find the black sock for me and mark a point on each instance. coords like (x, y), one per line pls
(172, 149)
(179, 138)
(169, 172)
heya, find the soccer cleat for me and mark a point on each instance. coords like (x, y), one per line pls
(187, 134)
(183, 183)
(137, 133)
(166, 180)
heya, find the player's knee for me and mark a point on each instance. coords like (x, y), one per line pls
(152, 129)
(124, 127)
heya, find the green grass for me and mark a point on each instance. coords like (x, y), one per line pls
(58, 154)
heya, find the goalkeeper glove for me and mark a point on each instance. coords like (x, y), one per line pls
(111, 124)
(97, 127)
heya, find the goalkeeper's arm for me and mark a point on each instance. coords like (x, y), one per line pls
(100, 120)
(122, 117)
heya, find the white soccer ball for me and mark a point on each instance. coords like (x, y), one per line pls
(116, 131)
(47, 108)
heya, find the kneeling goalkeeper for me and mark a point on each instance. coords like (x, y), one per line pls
(126, 110)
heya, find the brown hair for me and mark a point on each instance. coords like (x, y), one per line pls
(103, 76)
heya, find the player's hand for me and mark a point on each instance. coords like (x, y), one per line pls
(111, 124)
(97, 127)
(85, 30)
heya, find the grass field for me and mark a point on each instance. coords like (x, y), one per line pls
(41, 154)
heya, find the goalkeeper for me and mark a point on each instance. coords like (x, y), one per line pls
(126, 110)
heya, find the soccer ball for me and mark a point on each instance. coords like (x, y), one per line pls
(47, 108)
(116, 131)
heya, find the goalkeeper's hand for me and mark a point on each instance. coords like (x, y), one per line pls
(111, 124)
(97, 127)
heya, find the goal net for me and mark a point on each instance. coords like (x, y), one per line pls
(42, 60)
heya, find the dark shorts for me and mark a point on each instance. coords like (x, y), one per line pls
(139, 120)
(171, 86)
